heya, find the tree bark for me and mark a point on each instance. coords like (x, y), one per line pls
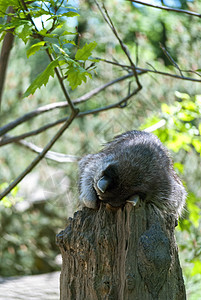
(5, 52)
(120, 254)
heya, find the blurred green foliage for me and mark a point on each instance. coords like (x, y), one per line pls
(27, 244)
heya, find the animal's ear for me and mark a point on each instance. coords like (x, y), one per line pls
(104, 183)
(108, 179)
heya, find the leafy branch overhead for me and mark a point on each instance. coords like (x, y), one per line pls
(76, 74)
(50, 40)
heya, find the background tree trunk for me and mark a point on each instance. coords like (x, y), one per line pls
(122, 254)
(5, 52)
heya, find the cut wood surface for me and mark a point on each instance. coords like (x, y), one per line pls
(120, 254)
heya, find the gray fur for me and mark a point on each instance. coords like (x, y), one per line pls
(134, 163)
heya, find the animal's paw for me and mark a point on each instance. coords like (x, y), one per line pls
(89, 200)
(133, 200)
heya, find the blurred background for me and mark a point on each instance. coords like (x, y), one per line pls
(39, 207)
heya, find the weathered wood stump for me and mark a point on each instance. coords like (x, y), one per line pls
(120, 254)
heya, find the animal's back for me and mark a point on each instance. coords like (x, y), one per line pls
(134, 163)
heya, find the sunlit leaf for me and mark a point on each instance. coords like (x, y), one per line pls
(186, 116)
(194, 210)
(76, 75)
(70, 14)
(24, 32)
(34, 48)
(167, 109)
(42, 79)
(183, 96)
(85, 52)
(197, 268)
(179, 167)
(197, 145)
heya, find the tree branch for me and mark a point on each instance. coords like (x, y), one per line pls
(169, 74)
(52, 106)
(183, 11)
(70, 103)
(156, 126)
(40, 155)
(167, 54)
(120, 104)
(4, 129)
(66, 158)
(55, 156)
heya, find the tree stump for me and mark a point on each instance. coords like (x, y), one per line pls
(120, 254)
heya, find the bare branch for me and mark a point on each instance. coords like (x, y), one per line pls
(120, 104)
(49, 107)
(156, 126)
(183, 11)
(66, 158)
(52, 106)
(40, 155)
(55, 156)
(168, 74)
(142, 71)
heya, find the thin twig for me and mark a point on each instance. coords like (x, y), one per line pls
(70, 103)
(168, 74)
(24, 6)
(183, 11)
(142, 71)
(40, 155)
(167, 54)
(123, 46)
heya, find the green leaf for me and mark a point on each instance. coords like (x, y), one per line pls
(42, 79)
(34, 48)
(68, 33)
(44, 33)
(24, 32)
(199, 127)
(70, 14)
(179, 167)
(182, 96)
(4, 5)
(85, 52)
(197, 145)
(185, 116)
(76, 75)
(179, 141)
(194, 210)
(167, 109)
(68, 42)
(197, 268)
